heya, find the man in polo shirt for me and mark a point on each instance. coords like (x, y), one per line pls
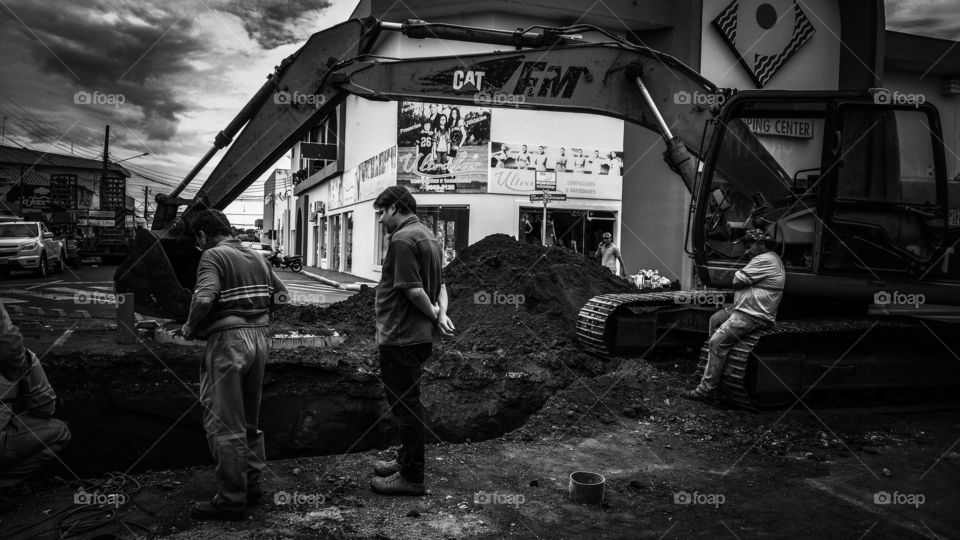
(411, 309)
(235, 290)
(758, 290)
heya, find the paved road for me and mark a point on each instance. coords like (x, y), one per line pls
(91, 289)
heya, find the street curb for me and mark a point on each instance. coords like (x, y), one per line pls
(166, 335)
(322, 279)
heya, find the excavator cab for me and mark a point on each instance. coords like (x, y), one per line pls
(848, 187)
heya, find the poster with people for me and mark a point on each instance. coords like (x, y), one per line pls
(442, 148)
(595, 173)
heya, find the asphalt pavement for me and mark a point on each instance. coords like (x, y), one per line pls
(90, 288)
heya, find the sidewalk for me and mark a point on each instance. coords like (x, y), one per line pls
(320, 274)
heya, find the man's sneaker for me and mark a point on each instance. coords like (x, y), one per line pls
(207, 510)
(386, 468)
(395, 485)
(700, 395)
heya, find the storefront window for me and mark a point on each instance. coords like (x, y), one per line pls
(348, 242)
(335, 242)
(450, 224)
(322, 240)
(383, 240)
(577, 230)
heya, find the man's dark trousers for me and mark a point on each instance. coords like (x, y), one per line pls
(400, 369)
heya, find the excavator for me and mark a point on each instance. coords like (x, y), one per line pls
(852, 185)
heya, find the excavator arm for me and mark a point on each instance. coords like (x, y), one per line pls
(557, 73)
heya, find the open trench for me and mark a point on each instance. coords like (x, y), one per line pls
(140, 412)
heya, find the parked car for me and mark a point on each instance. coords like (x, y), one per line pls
(264, 249)
(29, 245)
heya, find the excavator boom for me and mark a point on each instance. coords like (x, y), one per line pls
(615, 78)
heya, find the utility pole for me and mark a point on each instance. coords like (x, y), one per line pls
(106, 161)
(146, 201)
(21, 190)
(3, 137)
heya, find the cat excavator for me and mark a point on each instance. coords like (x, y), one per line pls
(852, 185)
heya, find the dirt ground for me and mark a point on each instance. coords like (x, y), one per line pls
(514, 408)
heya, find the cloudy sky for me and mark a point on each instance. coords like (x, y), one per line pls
(185, 68)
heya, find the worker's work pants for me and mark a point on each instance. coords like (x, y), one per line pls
(30, 443)
(231, 382)
(400, 369)
(727, 328)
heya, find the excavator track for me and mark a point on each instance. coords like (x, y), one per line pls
(592, 322)
(746, 359)
(773, 367)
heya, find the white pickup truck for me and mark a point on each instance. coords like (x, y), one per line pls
(29, 245)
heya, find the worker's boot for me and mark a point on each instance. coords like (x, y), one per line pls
(386, 468)
(698, 394)
(395, 485)
(208, 510)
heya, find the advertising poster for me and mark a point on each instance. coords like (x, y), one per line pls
(442, 149)
(590, 173)
(376, 174)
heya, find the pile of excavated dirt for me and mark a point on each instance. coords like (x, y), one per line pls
(504, 295)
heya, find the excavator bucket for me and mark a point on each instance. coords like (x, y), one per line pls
(161, 273)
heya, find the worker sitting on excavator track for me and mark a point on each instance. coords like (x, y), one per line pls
(758, 290)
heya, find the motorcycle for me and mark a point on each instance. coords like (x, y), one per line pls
(293, 262)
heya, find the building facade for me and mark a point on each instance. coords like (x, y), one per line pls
(612, 173)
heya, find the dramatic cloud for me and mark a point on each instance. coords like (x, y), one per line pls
(936, 18)
(276, 22)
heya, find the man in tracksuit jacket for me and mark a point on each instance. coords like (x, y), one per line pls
(235, 289)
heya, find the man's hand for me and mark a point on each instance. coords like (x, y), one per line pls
(188, 333)
(445, 324)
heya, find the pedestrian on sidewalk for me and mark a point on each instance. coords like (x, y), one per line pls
(411, 311)
(235, 290)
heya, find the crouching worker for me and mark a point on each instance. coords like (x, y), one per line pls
(230, 308)
(29, 437)
(758, 290)
(411, 310)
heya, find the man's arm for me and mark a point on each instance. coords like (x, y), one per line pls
(623, 267)
(36, 394)
(13, 360)
(208, 286)
(444, 322)
(406, 272)
(419, 298)
(756, 270)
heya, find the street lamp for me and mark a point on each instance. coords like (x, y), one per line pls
(131, 157)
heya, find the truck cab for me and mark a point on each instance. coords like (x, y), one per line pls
(29, 245)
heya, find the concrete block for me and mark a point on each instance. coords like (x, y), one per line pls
(57, 312)
(80, 314)
(34, 310)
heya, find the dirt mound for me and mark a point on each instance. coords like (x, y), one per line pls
(504, 295)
